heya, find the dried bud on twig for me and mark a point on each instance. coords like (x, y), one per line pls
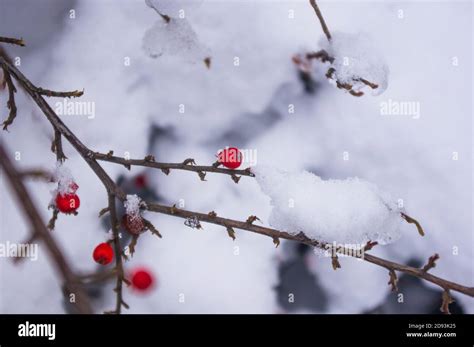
(252, 219)
(431, 263)
(447, 300)
(393, 280)
(231, 233)
(335, 262)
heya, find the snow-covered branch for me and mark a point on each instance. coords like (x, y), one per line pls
(195, 218)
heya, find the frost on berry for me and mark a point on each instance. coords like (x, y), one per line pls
(63, 176)
(64, 197)
(132, 219)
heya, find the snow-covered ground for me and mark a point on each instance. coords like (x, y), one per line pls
(137, 73)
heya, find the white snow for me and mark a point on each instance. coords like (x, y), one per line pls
(411, 158)
(344, 211)
(63, 176)
(357, 56)
(174, 38)
(133, 204)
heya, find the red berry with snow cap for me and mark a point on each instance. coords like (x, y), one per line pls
(103, 253)
(230, 157)
(67, 203)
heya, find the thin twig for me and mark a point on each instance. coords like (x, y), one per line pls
(321, 19)
(186, 165)
(302, 238)
(71, 281)
(118, 255)
(11, 100)
(12, 41)
(57, 147)
(52, 93)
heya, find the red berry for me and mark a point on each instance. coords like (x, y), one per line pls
(67, 203)
(134, 224)
(140, 181)
(142, 279)
(230, 157)
(103, 253)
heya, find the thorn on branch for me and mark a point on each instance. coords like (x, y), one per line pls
(151, 227)
(216, 164)
(109, 154)
(335, 262)
(231, 233)
(369, 245)
(127, 282)
(276, 241)
(447, 300)
(166, 171)
(202, 175)
(431, 263)
(249, 172)
(212, 214)
(321, 55)
(173, 209)
(11, 105)
(124, 304)
(133, 244)
(207, 62)
(165, 17)
(150, 158)
(104, 211)
(235, 178)
(252, 219)
(189, 161)
(52, 222)
(413, 221)
(393, 280)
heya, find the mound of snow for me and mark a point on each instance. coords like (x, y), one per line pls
(356, 57)
(343, 211)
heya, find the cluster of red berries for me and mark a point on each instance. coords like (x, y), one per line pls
(140, 278)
